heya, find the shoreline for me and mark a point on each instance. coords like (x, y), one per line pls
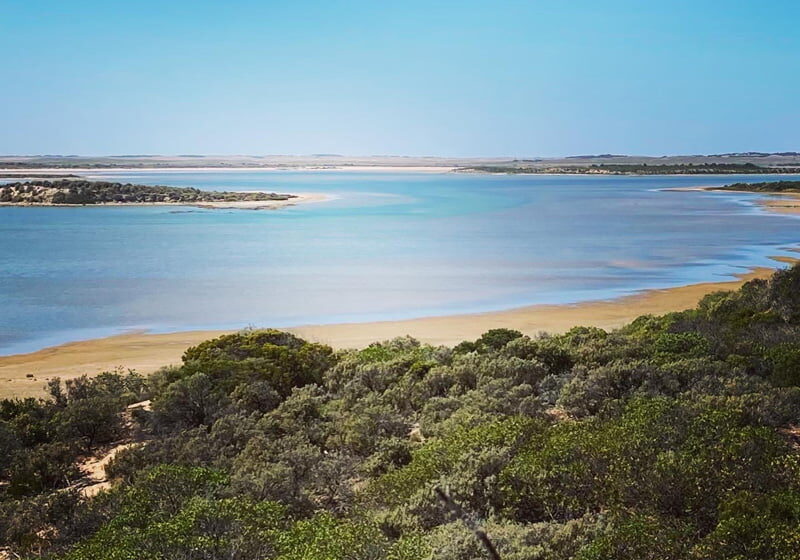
(98, 170)
(781, 203)
(297, 198)
(88, 171)
(146, 352)
(776, 202)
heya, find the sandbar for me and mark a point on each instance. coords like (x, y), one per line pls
(300, 198)
(782, 203)
(778, 202)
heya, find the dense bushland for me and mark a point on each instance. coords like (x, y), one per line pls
(674, 437)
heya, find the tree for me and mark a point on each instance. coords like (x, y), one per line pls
(187, 403)
(93, 420)
(46, 467)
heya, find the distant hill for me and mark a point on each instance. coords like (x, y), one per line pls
(598, 156)
(756, 154)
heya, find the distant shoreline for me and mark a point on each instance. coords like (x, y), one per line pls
(634, 170)
(146, 352)
(41, 173)
(21, 173)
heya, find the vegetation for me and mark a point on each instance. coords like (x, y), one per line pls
(770, 187)
(79, 192)
(675, 437)
(639, 169)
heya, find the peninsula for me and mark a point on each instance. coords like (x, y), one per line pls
(771, 187)
(783, 196)
(66, 192)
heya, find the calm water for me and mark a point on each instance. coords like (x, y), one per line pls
(390, 245)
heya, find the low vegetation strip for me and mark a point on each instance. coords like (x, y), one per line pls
(672, 438)
(636, 169)
(768, 187)
(80, 192)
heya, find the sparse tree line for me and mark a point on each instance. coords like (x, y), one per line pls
(673, 438)
(80, 192)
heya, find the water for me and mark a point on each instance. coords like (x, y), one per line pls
(390, 245)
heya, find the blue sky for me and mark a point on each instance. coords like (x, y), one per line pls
(411, 78)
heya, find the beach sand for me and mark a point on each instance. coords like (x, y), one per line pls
(145, 352)
(779, 202)
(782, 203)
(388, 168)
(299, 198)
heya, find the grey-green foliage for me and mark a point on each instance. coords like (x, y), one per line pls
(673, 437)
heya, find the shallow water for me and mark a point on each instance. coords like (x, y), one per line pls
(390, 245)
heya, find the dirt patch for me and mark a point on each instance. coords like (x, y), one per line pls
(94, 467)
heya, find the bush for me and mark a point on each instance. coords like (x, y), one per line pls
(674, 437)
(46, 467)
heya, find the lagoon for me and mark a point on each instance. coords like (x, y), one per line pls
(387, 245)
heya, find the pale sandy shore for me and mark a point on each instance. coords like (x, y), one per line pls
(300, 198)
(98, 171)
(389, 168)
(145, 352)
(782, 203)
(779, 202)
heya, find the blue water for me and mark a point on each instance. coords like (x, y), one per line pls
(389, 245)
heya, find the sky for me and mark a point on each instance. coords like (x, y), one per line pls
(466, 78)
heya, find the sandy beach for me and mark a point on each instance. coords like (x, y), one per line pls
(299, 198)
(145, 352)
(782, 203)
(779, 202)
